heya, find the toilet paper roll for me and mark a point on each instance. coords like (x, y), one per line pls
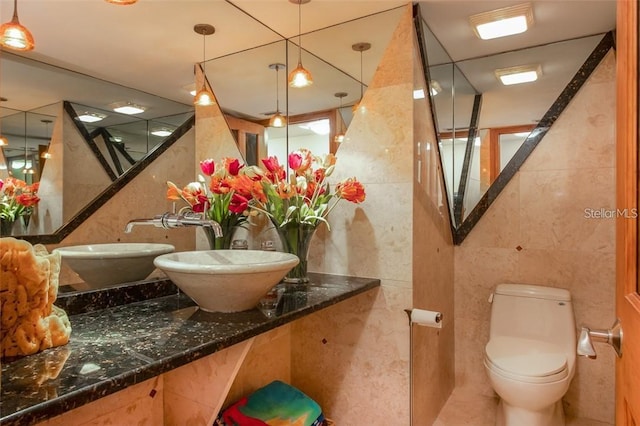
(426, 318)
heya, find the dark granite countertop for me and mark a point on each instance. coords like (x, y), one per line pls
(118, 346)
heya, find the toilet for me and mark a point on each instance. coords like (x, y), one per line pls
(531, 354)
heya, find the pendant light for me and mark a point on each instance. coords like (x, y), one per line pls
(14, 35)
(300, 77)
(122, 2)
(27, 168)
(339, 137)
(360, 47)
(45, 154)
(204, 97)
(277, 120)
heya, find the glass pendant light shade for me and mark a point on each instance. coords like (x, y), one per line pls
(14, 35)
(360, 47)
(204, 96)
(300, 77)
(277, 120)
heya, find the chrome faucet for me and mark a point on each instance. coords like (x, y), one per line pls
(172, 220)
(612, 336)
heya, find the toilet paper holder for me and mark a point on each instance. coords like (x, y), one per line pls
(612, 336)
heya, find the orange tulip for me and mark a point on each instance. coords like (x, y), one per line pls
(351, 190)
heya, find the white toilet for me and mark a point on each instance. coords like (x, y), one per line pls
(531, 354)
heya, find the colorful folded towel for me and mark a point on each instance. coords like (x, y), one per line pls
(276, 404)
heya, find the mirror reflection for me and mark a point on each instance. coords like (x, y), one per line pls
(243, 83)
(481, 122)
(39, 92)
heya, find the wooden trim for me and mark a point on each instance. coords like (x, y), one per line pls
(627, 300)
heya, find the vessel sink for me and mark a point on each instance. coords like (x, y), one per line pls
(226, 280)
(103, 265)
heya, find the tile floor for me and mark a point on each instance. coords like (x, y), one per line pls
(466, 408)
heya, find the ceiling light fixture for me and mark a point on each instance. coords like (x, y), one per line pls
(14, 35)
(162, 132)
(300, 77)
(277, 119)
(360, 47)
(122, 2)
(128, 108)
(91, 117)
(339, 137)
(519, 74)
(204, 97)
(502, 22)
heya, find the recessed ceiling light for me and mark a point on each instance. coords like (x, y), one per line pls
(91, 117)
(519, 74)
(161, 132)
(127, 108)
(502, 22)
(418, 94)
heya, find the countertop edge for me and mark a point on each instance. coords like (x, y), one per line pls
(59, 405)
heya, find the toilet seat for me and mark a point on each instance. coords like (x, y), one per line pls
(526, 360)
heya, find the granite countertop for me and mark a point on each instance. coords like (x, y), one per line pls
(139, 335)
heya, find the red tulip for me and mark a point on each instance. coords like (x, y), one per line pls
(208, 167)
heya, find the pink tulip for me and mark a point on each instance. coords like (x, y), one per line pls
(208, 167)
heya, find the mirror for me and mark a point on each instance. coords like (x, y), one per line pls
(34, 93)
(242, 82)
(486, 129)
(245, 85)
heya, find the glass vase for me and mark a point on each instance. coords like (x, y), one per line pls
(296, 239)
(6, 227)
(218, 243)
(26, 219)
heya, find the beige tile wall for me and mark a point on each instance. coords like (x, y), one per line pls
(353, 358)
(542, 211)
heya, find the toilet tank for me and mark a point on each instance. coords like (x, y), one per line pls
(533, 312)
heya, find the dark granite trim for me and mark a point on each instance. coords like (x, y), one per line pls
(106, 195)
(605, 45)
(418, 23)
(131, 343)
(88, 138)
(80, 302)
(468, 155)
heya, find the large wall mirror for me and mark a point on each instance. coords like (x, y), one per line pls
(34, 98)
(248, 87)
(486, 129)
(38, 91)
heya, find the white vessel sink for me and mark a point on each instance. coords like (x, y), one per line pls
(226, 280)
(103, 265)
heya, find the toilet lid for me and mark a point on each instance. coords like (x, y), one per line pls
(526, 358)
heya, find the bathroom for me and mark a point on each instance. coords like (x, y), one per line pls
(518, 239)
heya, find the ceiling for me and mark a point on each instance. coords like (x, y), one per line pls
(151, 46)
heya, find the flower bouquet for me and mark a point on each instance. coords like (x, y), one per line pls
(17, 199)
(224, 199)
(297, 205)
